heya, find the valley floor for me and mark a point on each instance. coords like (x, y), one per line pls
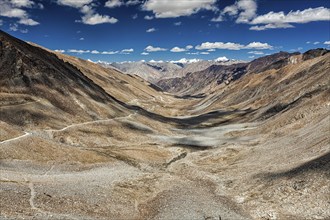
(131, 168)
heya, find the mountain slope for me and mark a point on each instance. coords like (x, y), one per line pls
(194, 82)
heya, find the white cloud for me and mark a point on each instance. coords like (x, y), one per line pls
(178, 50)
(147, 17)
(219, 45)
(304, 16)
(81, 38)
(185, 60)
(151, 30)
(133, 2)
(316, 42)
(135, 16)
(12, 12)
(221, 59)
(60, 51)
(90, 17)
(173, 9)
(93, 18)
(256, 52)
(13, 9)
(144, 53)
(13, 27)
(78, 51)
(110, 52)
(95, 52)
(327, 42)
(308, 42)
(217, 19)
(258, 46)
(28, 21)
(251, 57)
(154, 49)
(211, 50)
(127, 51)
(205, 53)
(244, 10)
(22, 3)
(113, 3)
(74, 3)
(177, 23)
(271, 26)
(233, 46)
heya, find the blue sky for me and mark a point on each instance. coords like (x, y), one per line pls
(132, 30)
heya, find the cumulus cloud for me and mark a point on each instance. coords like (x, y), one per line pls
(327, 42)
(144, 53)
(271, 26)
(135, 16)
(233, 46)
(243, 10)
(316, 43)
(28, 21)
(154, 49)
(173, 9)
(127, 51)
(92, 18)
(118, 3)
(110, 52)
(133, 2)
(178, 49)
(151, 30)
(185, 60)
(258, 46)
(147, 17)
(221, 59)
(74, 3)
(219, 45)
(217, 19)
(177, 23)
(205, 53)
(22, 3)
(304, 16)
(14, 9)
(275, 20)
(113, 3)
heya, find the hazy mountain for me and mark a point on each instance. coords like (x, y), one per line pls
(194, 83)
(153, 71)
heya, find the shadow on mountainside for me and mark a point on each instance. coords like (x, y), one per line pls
(320, 164)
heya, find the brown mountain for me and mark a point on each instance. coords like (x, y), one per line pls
(245, 141)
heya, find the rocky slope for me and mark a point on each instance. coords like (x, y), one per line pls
(194, 82)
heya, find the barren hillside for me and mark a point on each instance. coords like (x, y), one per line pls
(245, 141)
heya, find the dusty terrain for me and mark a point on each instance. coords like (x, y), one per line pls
(112, 146)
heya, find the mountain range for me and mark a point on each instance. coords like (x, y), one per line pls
(169, 140)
